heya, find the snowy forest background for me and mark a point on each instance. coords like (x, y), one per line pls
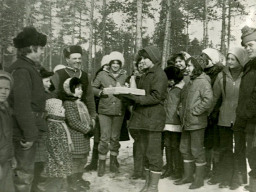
(102, 26)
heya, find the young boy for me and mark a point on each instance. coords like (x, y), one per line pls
(6, 154)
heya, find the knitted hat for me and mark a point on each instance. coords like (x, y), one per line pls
(105, 60)
(58, 67)
(45, 74)
(7, 76)
(70, 85)
(248, 34)
(241, 55)
(72, 49)
(153, 54)
(174, 73)
(53, 107)
(29, 36)
(115, 55)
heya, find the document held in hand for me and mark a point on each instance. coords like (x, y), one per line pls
(124, 90)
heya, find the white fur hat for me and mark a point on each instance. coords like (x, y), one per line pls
(213, 54)
(58, 67)
(105, 60)
(115, 55)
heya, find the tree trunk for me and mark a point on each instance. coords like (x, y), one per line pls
(205, 24)
(90, 39)
(26, 20)
(50, 38)
(229, 23)
(104, 18)
(223, 29)
(73, 22)
(167, 34)
(139, 26)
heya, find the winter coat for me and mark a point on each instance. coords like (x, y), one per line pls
(229, 97)
(148, 111)
(6, 147)
(109, 105)
(27, 99)
(59, 78)
(196, 100)
(246, 108)
(78, 130)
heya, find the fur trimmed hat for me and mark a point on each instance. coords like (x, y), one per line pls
(174, 73)
(7, 76)
(70, 84)
(72, 49)
(105, 60)
(248, 34)
(54, 107)
(115, 55)
(45, 74)
(29, 36)
(241, 55)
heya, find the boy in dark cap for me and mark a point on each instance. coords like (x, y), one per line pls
(246, 110)
(28, 102)
(73, 56)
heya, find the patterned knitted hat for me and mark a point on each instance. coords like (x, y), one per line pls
(7, 76)
(54, 107)
(248, 34)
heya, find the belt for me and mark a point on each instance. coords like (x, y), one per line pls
(39, 114)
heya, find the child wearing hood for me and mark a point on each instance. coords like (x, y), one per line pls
(80, 125)
(196, 100)
(6, 147)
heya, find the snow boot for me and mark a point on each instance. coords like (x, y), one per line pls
(237, 180)
(169, 166)
(79, 181)
(188, 174)
(199, 177)
(154, 179)
(113, 164)
(94, 162)
(145, 187)
(101, 168)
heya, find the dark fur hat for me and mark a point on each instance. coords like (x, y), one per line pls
(72, 49)
(45, 74)
(29, 36)
(174, 73)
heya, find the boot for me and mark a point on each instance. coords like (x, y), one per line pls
(94, 162)
(147, 175)
(252, 185)
(79, 181)
(154, 179)
(113, 164)
(199, 178)
(215, 177)
(71, 180)
(101, 168)
(237, 180)
(169, 165)
(208, 170)
(178, 165)
(188, 174)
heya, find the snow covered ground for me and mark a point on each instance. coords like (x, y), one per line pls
(121, 183)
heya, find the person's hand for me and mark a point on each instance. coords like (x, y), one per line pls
(103, 94)
(26, 144)
(14, 163)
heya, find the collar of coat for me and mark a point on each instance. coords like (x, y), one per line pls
(250, 65)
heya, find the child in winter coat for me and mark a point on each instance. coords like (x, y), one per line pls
(59, 146)
(173, 129)
(80, 124)
(196, 100)
(226, 86)
(111, 111)
(6, 147)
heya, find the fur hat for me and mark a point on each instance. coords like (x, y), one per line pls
(72, 49)
(53, 107)
(7, 76)
(105, 60)
(70, 85)
(216, 57)
(153, 54)
(58, 67)
(115, 55)
(174, 73)
(45, 74)
(29, 36)
(248, 34)
(241, 55)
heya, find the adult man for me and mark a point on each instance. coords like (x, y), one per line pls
(246, 109)
(73, 56)
(28, 102)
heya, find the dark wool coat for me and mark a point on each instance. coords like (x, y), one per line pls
(27, 99)
(6, 149)
(148, 111)
(196, 100)
(246, 108)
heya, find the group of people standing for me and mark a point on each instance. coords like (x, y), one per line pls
(194, 109)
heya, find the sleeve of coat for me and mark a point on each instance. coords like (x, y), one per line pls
(55, 81)
(206, 94)
(90, 103)
(96, 85)
(251, 105)
(217, 91)
(157, 93)
(22, 104)
(73, 118)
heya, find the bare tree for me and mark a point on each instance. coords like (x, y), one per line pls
(104, 18)
(91, 38)
(223, 28)
(139, 26)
